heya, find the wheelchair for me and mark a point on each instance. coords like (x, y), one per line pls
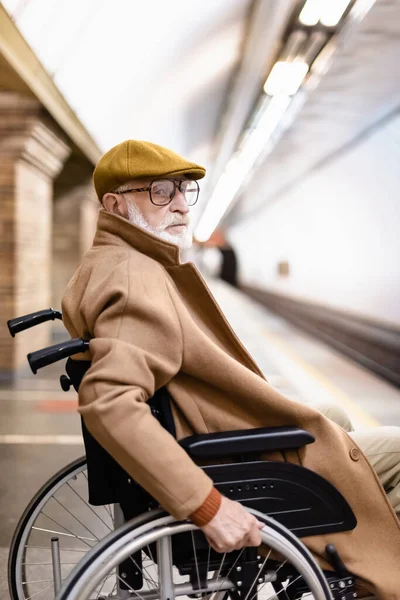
(91, 532)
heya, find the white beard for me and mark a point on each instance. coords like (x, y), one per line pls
(183, 241)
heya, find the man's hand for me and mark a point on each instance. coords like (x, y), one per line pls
(232, 528)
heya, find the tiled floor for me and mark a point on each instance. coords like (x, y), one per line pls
(40, 429)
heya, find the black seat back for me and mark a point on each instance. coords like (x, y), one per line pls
(108, 482)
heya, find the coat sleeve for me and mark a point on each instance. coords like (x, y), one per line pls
(137, 347)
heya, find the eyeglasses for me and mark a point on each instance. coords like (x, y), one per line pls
(162, 191)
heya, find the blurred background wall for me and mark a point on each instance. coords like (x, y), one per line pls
(338, 230)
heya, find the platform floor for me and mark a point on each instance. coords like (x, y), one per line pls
(40, 428)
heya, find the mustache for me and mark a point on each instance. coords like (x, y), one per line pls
(175, 219)
(136, 217)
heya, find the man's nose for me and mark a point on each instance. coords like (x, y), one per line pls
(179, 203)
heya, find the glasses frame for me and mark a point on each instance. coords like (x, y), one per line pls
(176, 185)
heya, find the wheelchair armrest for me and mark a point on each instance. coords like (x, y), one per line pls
(245, 441)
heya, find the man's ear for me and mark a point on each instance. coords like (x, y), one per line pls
(115, 203)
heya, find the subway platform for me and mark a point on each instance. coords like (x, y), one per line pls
(40, 428)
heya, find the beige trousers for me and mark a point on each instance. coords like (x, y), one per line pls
(381, 445)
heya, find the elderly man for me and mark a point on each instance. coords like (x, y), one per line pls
(152, 322)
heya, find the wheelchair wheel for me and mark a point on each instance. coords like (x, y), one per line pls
(59, 509)
(171, 559)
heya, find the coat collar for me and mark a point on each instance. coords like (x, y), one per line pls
(115, 230)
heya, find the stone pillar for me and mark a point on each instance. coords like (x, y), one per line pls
(74, 222)
(32, 152)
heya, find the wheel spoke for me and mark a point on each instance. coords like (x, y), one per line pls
(79, 537)
(30, 558)
(26, 564)
(107, 508)
(220, 568)
(221, 565)
(151, 554)
(258, 575)
(104, 583)
(38, 581)
(61, 549)
(75, 517)
(72, 534)
(234, 564)
(88, 505)
(39, 592)
(284, 589)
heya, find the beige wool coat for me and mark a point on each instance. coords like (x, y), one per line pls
(152, 322)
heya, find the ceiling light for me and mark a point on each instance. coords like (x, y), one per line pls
(286, 78)
(333, 11)
(329, 12)
(311, 12)
(238, 168)
(223, 194)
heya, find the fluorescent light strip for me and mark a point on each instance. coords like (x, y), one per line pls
(329, 12)
(311, 12)
(285, 78)
(238, 168)
(333, 12)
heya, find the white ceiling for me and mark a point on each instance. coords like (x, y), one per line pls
(162, 71)
(361, 88)
(154, 69)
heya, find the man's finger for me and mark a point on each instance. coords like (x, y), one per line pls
(218, 548)
(254, 539)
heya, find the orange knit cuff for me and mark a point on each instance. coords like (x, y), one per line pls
(207, 510)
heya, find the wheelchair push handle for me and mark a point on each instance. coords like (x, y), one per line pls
(51, 354)
(27, 321)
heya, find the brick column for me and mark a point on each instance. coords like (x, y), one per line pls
(32, 152)
(74, 222)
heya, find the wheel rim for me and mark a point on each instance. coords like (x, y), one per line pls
(89, 580)
(57, 512)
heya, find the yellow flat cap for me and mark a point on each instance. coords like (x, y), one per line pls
(135, 159)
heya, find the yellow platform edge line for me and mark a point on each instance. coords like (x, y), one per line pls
(343, 399)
